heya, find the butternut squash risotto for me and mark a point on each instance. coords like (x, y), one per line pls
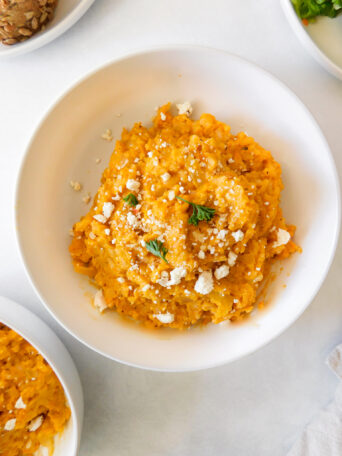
(33, 406)
(185, 224)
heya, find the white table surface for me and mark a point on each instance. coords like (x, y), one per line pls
(255, 406)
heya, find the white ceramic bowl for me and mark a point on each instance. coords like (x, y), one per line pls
(68, 12)
(67, 143)
(322, 38)
(40, 336)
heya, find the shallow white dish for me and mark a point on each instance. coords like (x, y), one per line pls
(67, 13)
(322, 38)
(67, 143)
(40, 336)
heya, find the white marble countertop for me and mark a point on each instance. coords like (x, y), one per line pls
(255, 406)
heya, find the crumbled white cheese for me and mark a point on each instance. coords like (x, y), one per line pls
(235, 301)
(146, 287)
(184, 108)
(221, 272)
(176, 275)
(132, 220)
(10, 424)
(100, 218)
(222, 234)
(107, 231)
(120, 279)
(232, 258)
(35, 424)
(107, 209)
(166, 177)
(238, 235)
(133, 185)
(283, 238)
(205, 283)
(99, 301)
(164, 279)
(92, 235)
(165, 318)
(142, 243)
(20, 403)
(162, 116)
(172, 195)
(201, 254)
(182, 189)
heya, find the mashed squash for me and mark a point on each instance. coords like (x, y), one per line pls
(185, 224)
(33, 406)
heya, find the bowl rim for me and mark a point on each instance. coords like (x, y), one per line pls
(50, 34)
(21, 329)
(171, 48)
(308, 43)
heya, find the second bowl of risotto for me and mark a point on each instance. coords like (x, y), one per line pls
(41, 396)
(182, 235)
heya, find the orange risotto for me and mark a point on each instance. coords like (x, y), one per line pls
(33, 406)
(185, 223)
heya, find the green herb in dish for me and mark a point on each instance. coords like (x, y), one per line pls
(130, 199)
(199, 212)
(310, 9)
(157, 248)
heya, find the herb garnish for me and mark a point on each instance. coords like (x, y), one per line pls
(157, 248)
(199, 212)
(130, 199)
(309, 9)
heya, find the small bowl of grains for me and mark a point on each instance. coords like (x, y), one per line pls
(41, 400)
(26, 25)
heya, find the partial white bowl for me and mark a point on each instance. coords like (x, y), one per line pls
(41, 337)
(322, 39)
(68, 142)
(67, 13)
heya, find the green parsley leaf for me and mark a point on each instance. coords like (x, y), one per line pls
(309, 9)
(130, 199)
(157, 248)
(199, 212)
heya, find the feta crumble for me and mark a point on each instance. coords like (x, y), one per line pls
(222, 235)
(232, 258)
(107, 231)
(205, 283)
(184, 108)
(165, 177)
(100, 218)
(10, 424)
(92, 235)
(132, 220)
(20, 403)
(172, 195)
(283, 238)
(162, 116)
(201, 254)
(238, 235)
(107, 209)
(221, 272)
(165, 318)
(164, 279)
(99, 301)
(176, 275)
(35, 424)
(133, 185)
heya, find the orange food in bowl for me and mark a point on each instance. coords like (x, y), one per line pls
(185, 224)
(33, 406)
